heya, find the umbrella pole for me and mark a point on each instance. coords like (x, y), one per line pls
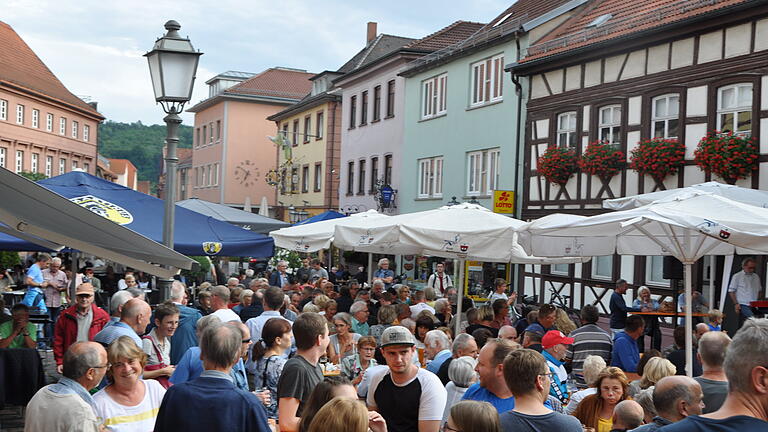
(370, 267)
(688, 321)
(459, 298)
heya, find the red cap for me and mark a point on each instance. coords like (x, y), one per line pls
(555, 337)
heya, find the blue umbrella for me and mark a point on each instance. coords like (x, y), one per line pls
(194, 234)
(322, 217)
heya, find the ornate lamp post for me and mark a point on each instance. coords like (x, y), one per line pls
(172, 66)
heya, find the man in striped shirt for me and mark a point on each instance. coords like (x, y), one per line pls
(589, 339)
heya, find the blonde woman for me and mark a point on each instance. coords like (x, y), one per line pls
(346, 414)
(656, 369)
(473, 416)
(128, 403)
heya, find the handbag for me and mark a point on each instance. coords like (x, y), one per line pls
(163, 380)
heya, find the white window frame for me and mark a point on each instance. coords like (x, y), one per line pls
(19, 161)
(74, 165)
(62, 125)
(3, 155)
(487, 81)
(740, 105)
(566, 128)
(49, 122)
(482, 171)
(48, 166)
(75, 127)
(320, 120)
(596, 267)
(62, 166)
(559, 269)
(613, 125)
(36, 118)
(3, 109)
(430, 177)
(34, 163)
(215, 174)
(652, 261)
(433, 101)
(86, 167)
(666, 116)
(19, 114)
(86, 133)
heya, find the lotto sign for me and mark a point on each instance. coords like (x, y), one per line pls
(503, 201)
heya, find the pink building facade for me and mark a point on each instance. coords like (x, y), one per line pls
(232, 153)
(44, 128)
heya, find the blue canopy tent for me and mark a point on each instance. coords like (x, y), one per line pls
(195, 234)
(324, 216)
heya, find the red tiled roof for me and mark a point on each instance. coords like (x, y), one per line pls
(627, 17)
(21, 67)
(529, 9)
(446, 36)
(275, 82)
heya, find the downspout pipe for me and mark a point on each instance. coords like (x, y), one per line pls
(518, 161)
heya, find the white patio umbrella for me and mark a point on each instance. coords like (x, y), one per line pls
(753, 197)
(462, 231)
(750, 196)
(686, 227)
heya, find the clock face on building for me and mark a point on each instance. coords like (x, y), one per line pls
(246, 173)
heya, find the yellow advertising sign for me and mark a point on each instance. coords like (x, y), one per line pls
(503, 201)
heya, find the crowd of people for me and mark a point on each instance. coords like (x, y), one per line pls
(297, 352)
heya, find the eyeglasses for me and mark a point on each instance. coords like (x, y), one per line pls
(547, 374)
(245, 341)
(101, 367)
(85, 295)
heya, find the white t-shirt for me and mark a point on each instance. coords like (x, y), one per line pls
(121, 418)
(495, 296)
(149, 349)
(418, 307)
(746, 286)
(429, 401)
(226, 315)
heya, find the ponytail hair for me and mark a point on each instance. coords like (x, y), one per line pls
(273, 329)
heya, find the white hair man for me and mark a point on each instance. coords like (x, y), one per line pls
(219, 301)
(437, 349)
(184, 337)
(68, 405)
(746, 406)
(463, 346)
(359, 312)
(188, 406)
(714, 383)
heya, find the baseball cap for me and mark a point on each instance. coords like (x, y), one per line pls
(84, 288)
(397, 335)
(555, 337)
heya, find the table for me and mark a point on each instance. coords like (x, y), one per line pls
(655, 324)
(14, 296)
(21, 374)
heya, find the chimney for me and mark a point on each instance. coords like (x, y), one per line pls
(371, 32)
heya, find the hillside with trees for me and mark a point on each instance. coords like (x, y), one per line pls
(139, 143)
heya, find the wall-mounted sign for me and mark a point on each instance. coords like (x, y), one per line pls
(503, 201)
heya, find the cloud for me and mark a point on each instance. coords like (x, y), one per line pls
(95, 48)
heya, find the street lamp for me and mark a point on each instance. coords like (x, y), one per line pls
(172, 66)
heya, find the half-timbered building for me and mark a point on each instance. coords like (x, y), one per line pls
(623, 72)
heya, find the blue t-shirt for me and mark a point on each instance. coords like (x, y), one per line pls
(738, 423)
(476, 392)
(35, 273)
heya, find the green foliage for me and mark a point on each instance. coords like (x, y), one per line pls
(33, 176)
(293, 258)
(199, 273)
(140, 144)
(8, 259)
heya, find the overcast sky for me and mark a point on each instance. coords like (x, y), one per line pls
(95, 47)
